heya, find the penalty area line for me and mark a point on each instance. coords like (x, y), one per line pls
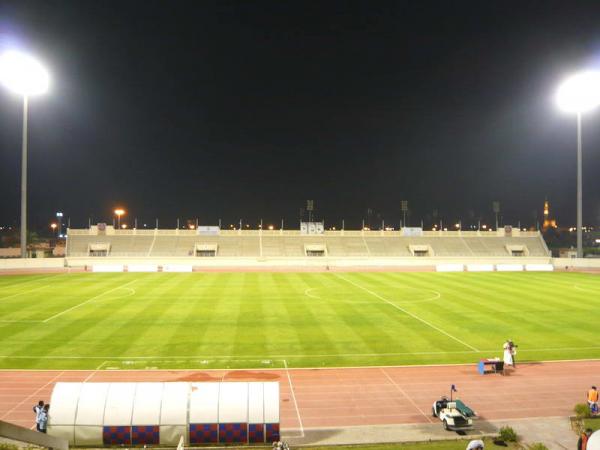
(87, 301)
(408, 313)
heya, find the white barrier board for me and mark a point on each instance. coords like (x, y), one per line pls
(480, 267)
(142, 268)
(509, 267)
(177, 268)
(539, 267)
(449, 268)
(107, 268)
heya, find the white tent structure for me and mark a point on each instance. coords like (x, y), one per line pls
(96, 414)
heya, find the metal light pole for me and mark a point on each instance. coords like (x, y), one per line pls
(24, 182)
(578, 94)
(24, 75)
(579, 191)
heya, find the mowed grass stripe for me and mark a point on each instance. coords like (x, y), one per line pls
(524, 310)
(231, 317)
(414, 316)
(408, 332)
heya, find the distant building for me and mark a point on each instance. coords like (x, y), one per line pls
(549, 222)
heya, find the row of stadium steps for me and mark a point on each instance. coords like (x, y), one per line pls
(168, 243)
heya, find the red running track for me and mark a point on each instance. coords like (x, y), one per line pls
(322, 398)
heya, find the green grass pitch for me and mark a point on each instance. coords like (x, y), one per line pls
(261, 320)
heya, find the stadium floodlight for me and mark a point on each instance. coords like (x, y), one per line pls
(579, 94)
(25, 76)
(119, 212)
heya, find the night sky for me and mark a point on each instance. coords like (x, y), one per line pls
(246, 109)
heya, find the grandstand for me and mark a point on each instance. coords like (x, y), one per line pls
(399, 247)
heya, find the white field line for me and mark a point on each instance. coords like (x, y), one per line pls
(407, 312)
(308, 294)
(294, 397)
(24, 292)
(436, 295)
(593, 291)
(102, 364)
(406, 395)
(33, 281)
(120, 297)
(87, 301)
(405, 366)
(280, 357)
(21, 321)
(7, 413)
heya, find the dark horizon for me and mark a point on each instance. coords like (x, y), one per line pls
(244, 110)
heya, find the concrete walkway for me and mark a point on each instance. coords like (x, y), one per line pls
(554, 432)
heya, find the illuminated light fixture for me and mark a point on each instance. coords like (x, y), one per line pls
(119, 212)
(53, 226)
(271, 227)
(124, 226)
(23, 74)
(578, 94)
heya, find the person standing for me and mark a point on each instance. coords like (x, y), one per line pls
(43, 418)
(508, 356)
(37, 409)
(513, 352)
(592, 399)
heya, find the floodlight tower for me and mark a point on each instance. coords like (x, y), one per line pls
(25, 76)
(120, 211)
(578, 94)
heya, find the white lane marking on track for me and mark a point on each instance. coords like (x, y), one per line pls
(287, 371)
(87, 301)
(7, 413)
(406, 395)
(414, 316)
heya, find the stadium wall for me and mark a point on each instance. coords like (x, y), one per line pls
(306, 262)
(15, 265)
